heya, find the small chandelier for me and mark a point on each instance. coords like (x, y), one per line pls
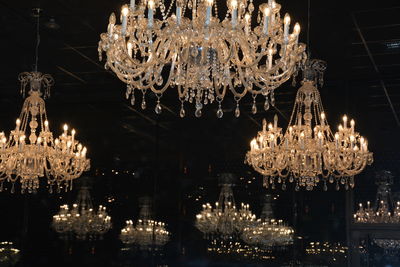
(31, 152)
(146, 233)
(384, 209)
(82, 221)
(308, 153)
(268, 232)
(199, 55)
(224, 220)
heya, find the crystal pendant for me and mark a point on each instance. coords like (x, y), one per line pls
(158, 109)
(254, 108)
(133, 100)
(266, 104)
(197, 113)
(220, 113)
(284, 186)
(237, 111)
(272, 96)
(325, 187)
(143, 104)
(182, 112)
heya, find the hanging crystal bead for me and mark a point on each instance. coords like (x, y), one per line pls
(182, 112)
(266, 104)
(237, 111)
(197, 113)
(254, 108)
(158, 109)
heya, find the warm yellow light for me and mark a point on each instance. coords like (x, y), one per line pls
(125, 11)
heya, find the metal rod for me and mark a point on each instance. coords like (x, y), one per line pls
(376, 70)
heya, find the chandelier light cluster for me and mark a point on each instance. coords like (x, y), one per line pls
(198, 54)
(384, 210)
(146, 233)
(81, 220)
(308, 153)
(31, 152)
(268, 232)
(224, 220)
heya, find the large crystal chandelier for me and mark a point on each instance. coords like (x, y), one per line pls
(308, 152)
(31, 152)
(384, 210)
(200, 55)
(267, 231)
(146, 233)
(224, 220)
(82, 220)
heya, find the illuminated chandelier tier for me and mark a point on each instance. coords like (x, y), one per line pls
(224, 220)
(384, 210)
(308, 153)
(81, 220)
(146, 233)
(31, 152)
(267, 231)
(199, 55)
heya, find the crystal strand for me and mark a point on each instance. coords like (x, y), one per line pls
(237, 110)
(143, 101)
(220, 113)
(254, 106)
(182, 112)
(272, 97)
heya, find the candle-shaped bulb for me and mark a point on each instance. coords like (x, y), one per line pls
(73, 132)
(18, 122)
(270, 126)
(234, 4)
(267, 12)
(264, 123)
(247, 18)
(150, 13)
(336, 136)
(151, 4)
(125, 10)
(296, 29)
(275, 121)
(345, 120)
(287, 19)
(46, 124)
(65, 127)
(132, 4)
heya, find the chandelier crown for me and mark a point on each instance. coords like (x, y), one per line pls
(199, 54)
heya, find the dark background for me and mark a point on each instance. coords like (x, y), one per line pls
(177, 160)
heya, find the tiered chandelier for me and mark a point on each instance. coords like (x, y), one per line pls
(308, 153)
(81, 220)
(31, 152)
(384, 209)
(199, 55)
(267, 231)
(146, 233)
(224, 220)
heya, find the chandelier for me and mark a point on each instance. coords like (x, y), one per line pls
(146, 233)
(81, 220)
(268, 232)
(224, 220)
(31, 152)
(308, 153)
(384, 210)
(200, 55)
(389, 245)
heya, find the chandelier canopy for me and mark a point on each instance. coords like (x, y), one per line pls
(31, 152)
(308, 153)
(200, 55)
(267, 231)
(224, 220)
(146, 233)
(81, 220)
(384, 209)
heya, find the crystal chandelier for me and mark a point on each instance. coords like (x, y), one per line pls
(389, 245)
(308, 153)
(146, 233)
(199, 55)
(81, 220)
(31, 152)
(384, 210)
(268, 232)
(224, 220)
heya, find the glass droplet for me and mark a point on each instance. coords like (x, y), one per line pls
(272, 99)
(325, 187)
(182, 112)
(337, 187)
(132, 100)
(331, 179)
(158, 109)
(291, 179)
(297, 187)
(143, 104)
(254, 108)
(266, 105)
(220, 113)
(237, 111)
(284, 186)
(197, 113)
